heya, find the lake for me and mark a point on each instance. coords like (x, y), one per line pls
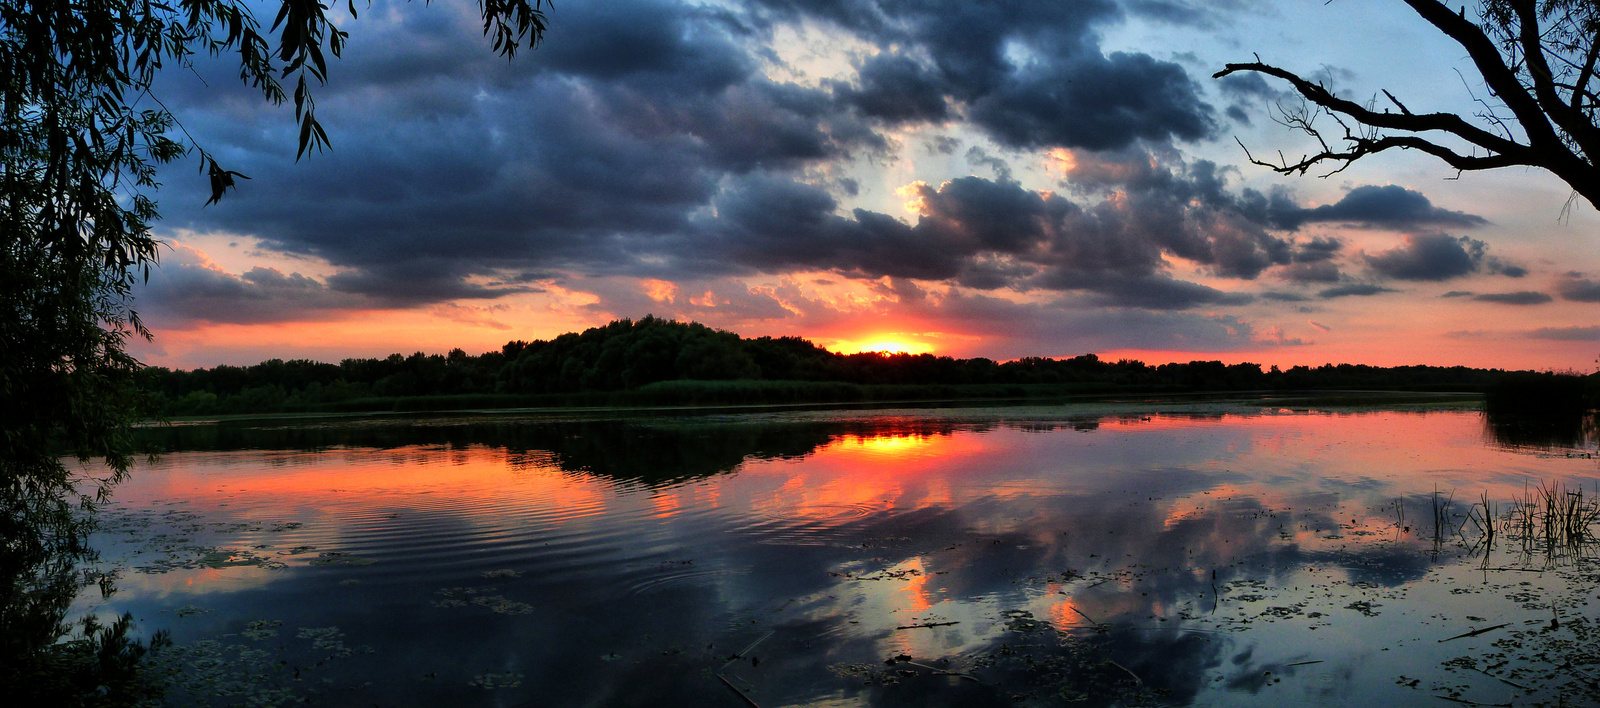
(1252, 552)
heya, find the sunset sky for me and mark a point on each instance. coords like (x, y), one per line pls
(999, 179)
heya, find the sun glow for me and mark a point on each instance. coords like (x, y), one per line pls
(889, 445)
(884, 344)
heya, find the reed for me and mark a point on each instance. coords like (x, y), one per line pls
(1482, 517)
(1442, 528)
(1554, 520)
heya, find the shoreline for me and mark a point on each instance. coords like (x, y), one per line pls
(1125, 403)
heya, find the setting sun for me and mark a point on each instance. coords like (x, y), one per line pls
(884, 344)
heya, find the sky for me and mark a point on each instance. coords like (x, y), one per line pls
(996, 179)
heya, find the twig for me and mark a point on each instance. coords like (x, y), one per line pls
(943, 672)
(1475, 632)
(1507, 682)
(1216, 597)
(1081, 614)
(1107, 627)
(730, 685)
(1581, 675)
(1464, 701)
(926, 624)
(1135, 676)
(1303, 663)
(747, 649)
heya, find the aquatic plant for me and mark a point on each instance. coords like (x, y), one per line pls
(1554, 521)
(100, 665)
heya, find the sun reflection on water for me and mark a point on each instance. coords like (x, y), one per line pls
(607, 559)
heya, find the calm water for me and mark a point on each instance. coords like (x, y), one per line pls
(1208, 555)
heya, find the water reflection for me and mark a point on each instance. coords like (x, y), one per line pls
(45, 563)
(919, 558)
(1557, 430)
(650, 451)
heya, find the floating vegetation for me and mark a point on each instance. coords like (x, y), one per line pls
(196, 558)
(467, 597)
(209, 671)
(329, 639)
(883, 575)
(455, 597)
(503, 606)
(261, 629)
(190, 611)
(340, 558)
(870, 674)
(491, 681)
(501, 574)
(1369, 609)
(214, 672)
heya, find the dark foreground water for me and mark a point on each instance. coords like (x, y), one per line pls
(1206, 554)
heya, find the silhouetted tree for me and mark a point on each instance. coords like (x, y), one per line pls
(1538, 60)
(79, 145)
(82, 131)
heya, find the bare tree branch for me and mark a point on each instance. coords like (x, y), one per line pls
(1514, 46)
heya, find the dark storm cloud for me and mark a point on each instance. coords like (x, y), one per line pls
(942, 145)
(994, 272)
(1389, 207)
(1354, 289)
(416, 282)
(575, 155)
(1188, 210)
(396, 192)
(986, 233)
(1283, 296)
(1430, 257)
(1567, 334)
(187, 290)
(1094, 102)
(613, 40)
(1319, 248)
(896, 89)
(1162, 293)
(1315, 272)
(1014, 329)
(1030, 72)
(645, 138)
(1249, 85)
(774, 224)
(977, 156)
(1574, 287)
(1521, 297)
(1500, 267)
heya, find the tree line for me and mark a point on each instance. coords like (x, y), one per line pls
(654, 354)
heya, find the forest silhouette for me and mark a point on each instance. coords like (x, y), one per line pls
(655, 361)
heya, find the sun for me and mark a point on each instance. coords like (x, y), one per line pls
(886, 344)
(888, 347)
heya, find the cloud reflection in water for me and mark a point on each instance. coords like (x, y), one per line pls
(623, 561)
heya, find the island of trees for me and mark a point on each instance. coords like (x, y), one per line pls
(654, 361)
